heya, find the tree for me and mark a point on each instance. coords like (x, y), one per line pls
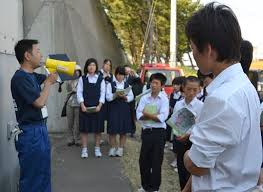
(130, 19)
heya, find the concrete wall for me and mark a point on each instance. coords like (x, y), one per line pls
(78, 28)
(11, 29)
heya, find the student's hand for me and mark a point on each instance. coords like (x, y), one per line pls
(124, 97)
(83, 107)
(51, 79)
(120, 95)
(98, 108)
(183, 138)
(132, 73)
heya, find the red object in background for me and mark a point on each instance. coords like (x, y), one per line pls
(170, 72)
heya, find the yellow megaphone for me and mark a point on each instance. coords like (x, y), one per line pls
(65, 67)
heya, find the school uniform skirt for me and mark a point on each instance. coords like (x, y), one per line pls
(91, 122)
(119, 118)
(105, 111)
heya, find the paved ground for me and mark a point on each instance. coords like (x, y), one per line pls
(70, 173)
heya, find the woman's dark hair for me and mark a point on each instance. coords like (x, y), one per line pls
(80, 72)
(88, 62)
(120, 70)
(178, 80)
(246, 50)
(217, 25)
(158, 76)
(22, 46)
(106, 61)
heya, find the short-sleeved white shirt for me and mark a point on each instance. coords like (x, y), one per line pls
(226, 138)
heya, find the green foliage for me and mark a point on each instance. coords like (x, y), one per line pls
(130, 17)
(189, 71)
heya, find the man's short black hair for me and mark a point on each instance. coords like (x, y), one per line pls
(120, 70)
(22, 46)
(191, 79)
(246, 50)
(158, 76)
(88, 62)
(217, 25)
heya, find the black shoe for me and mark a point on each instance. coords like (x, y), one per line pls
(78, 144)
(71, 143)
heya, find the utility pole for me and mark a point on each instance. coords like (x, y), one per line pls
(173, 34)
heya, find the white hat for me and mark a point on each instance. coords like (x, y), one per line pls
(77, 67)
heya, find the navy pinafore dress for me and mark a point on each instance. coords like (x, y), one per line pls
(91, 122)
(105, 106)
(119, 114)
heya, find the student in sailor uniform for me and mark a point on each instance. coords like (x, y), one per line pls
(190, 87)
(91, 93)
(176, 96)
(152, 111)
(120, 121)
(108, 78)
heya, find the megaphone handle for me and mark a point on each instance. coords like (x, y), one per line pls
(60, 87)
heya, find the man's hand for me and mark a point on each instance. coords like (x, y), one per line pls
(183, 138)
(41, 101)
(51, 79)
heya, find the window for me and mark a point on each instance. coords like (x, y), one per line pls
(169, 74)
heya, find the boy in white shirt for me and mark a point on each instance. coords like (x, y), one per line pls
(152, 111)
(226, 152)
(190, 87)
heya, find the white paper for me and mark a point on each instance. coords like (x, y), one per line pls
(44, 112)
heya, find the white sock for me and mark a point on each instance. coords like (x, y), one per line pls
(84, 149)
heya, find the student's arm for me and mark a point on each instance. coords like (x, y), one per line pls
(210, 137)
(80, 95)
(41, 101)
(139, 110)
(192, 168)
(130, 96)
(109, 94)
(163, 113)
(102, 96)
(147, 116)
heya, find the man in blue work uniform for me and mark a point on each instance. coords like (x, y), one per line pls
(31, 113)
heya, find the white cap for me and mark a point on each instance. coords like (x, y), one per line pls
(77, 67)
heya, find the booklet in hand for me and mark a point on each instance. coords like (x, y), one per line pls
(122, 92)
(91, 109)
(181, 121)
(151, 109)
